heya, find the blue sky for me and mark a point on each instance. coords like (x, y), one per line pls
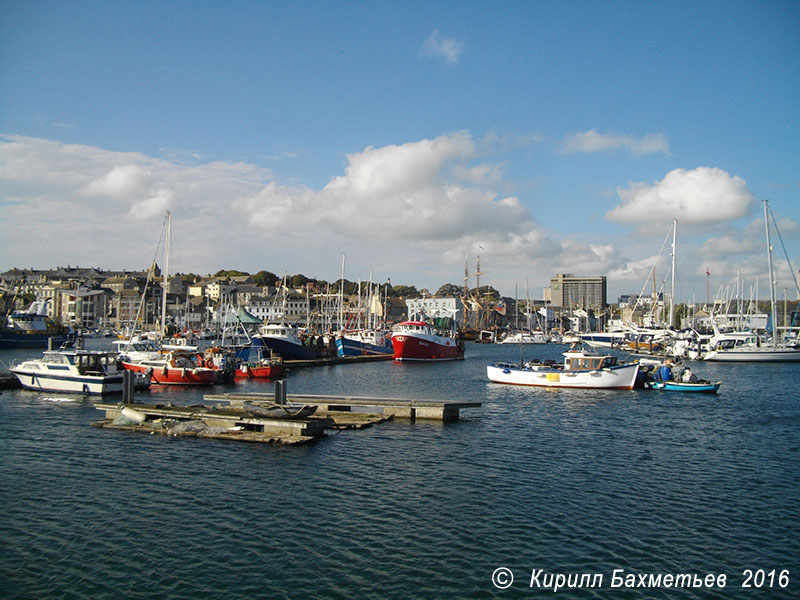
(545, 136)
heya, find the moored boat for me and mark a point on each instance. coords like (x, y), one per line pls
(426, 340)
(525, 337)
(174, 368)
(288, 342)
(75, 371)
(31, 328)
(703, 387)
(267, 368)
(749, 347)
(580, 369)
(364, 342)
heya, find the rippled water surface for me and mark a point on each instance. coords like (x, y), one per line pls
(568, 481)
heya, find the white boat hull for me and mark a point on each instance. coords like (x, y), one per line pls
(526, 338)
(33, 380)
(622, 377)
(754, 355)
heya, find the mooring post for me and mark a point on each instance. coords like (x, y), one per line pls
(49, 343)
(126, 386)
(280, 391)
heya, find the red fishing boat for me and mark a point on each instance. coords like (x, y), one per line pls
(427, 340)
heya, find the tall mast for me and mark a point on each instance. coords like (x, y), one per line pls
(166, 276)
(771, 279)
(466, 293)
(672, 297)
(341, 297)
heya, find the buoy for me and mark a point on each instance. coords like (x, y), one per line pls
(133, 415)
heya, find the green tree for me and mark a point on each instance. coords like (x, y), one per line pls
(405, 291)
(450, 289)
(265, 278)
(298, 281)
(230, 273)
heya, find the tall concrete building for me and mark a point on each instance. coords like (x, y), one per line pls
(569, 291)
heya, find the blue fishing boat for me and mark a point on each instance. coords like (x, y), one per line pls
(362, 342)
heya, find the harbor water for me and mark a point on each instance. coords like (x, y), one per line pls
(536, 482)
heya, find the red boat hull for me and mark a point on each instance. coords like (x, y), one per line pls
(410, 348)
(259, 372)
(167, 375)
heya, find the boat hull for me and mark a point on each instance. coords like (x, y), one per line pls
(408, 347)
(679, 386)
(15, 339)
(246, 371)
(289, 350)
(754, 355)
(622, 377)
(70, 384)
(167, 375)
(350, 347)
(525, 338)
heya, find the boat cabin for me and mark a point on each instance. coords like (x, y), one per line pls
(582, 362)
(84, 362)
(413, 326)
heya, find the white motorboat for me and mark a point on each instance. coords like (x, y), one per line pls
(749, 347)
(75, 371)
(525, 337)
(581, 369)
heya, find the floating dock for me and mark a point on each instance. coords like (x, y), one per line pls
(444, 411)
(217, 422)
(279, 418)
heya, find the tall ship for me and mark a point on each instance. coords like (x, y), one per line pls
(427, 339)
(31, 328)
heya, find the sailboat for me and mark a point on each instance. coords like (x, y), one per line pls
(751, 347)
(176, 367)
(524, 335)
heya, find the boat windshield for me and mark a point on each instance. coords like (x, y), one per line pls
(590, 362)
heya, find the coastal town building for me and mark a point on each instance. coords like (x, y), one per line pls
(571, 292)
(433, 306)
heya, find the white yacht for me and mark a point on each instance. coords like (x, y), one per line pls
(75, 371)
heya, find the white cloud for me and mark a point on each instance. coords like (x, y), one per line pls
(445, 49)
(699, 196)
(415, 207)
(120, 181)
(410, 191)
(592, 141)
(409, 211)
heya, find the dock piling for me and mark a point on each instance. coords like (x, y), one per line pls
(280, 391)
(127, 387)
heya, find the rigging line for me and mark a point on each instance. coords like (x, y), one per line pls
(147, 281)
(651, 272)
(785, 253)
